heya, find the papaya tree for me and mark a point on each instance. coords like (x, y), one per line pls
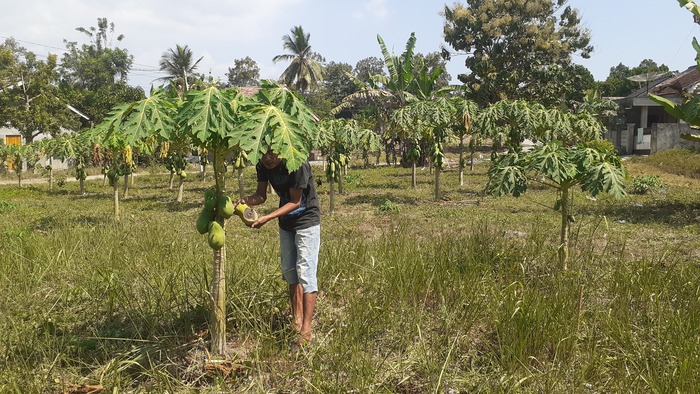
(593, 166)
(224, 122)
(127, 126)
(18, 155)
(336, 141)
(74, 147)
(465, 111)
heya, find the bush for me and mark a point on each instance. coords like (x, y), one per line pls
(644, 184)
(389, 207)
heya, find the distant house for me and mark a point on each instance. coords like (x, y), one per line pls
(648, 127)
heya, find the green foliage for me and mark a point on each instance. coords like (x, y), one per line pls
(245, 72)
(305, 70)
(618, 84)
(517, 50)
(31, 101)
(593, 170)
(644, 184)
(178, 64)
(389, 207)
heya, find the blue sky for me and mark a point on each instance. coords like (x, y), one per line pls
(623, 31)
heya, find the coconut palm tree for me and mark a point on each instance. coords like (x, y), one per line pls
(178, 65)
(304, 71)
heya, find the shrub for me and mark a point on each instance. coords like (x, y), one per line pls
(644, 184)
(389, 207)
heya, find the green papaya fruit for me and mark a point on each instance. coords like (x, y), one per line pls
(205, 217)
(210, 199)
(225, 207)
(216, 236)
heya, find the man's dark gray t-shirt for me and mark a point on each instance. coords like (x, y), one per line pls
(308, 213)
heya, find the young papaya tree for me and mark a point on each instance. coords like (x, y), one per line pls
(74, 147)
(128, 125)
(593, 166)
(337, 138)
(17, 155)
(224, 122)
(465, 111)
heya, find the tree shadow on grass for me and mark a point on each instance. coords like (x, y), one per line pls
(379, 199)
(671, 213)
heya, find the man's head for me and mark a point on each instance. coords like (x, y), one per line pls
(270, 159)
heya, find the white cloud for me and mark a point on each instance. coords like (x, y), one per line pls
(373, 9)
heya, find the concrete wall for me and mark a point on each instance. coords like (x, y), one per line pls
(668, 136)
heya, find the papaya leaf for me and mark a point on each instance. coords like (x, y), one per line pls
(507, 177)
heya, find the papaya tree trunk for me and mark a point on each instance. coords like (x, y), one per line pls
(204, 171)
(379, 158)
(180, 189)
(472, 149)
(125, 192)
(82, 186)
(51, 174)
(332, 194)
(104, 180)
(131, 179)
(461, 160)
(171, 181)
(564, 233)
(340, 181)
(218, 291)
(240, 183)
(414, 183)
(437, 183)
(115, 186)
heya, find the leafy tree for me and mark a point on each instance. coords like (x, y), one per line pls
(245, 72)
(30, 100)
(179, 65)
(367, 67)
(514, 47)
(618, 84)
(305, 70)
(337, 82)
(594, 167)
(431, 62)
(94, 74)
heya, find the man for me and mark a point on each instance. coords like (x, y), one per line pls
(300, 232)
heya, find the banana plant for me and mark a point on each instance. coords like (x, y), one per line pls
(594, 167)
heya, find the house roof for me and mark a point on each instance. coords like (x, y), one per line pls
(249, 91)
(674, 85)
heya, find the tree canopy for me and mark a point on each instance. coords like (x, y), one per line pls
(516, 49)
(618, 85)
(245, 72)
(304, 70)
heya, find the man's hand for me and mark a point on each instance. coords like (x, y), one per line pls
(261, 221)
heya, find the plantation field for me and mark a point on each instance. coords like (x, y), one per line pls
(457, 296)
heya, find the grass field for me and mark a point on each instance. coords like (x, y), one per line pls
(456, 296)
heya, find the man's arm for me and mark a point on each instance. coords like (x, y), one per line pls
(257, 198)
(294, 203)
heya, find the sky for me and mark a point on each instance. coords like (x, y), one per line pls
(623, 31)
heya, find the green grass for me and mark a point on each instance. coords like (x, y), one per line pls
(460, 295)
